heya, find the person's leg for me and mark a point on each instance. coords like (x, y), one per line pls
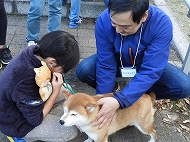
(3, 24)
(86, 70)
(74, 17)
(5, 53)
(51, 130)
(54, 15)
(63, 2)
(106, 3)
(34, 19)
(173, 84)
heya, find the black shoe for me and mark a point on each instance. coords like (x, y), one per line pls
(116, 87)
(5, 54)
(1, 65)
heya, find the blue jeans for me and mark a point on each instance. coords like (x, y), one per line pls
(106, 3)
(34, 17)
(173, 83)
(74, 10)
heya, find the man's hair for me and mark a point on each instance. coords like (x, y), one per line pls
(137, 7)
(61, 46)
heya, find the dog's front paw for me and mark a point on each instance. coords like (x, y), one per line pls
(88, 140)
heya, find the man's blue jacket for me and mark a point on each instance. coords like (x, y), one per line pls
(151, 58)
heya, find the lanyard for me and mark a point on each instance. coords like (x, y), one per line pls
(130, 50)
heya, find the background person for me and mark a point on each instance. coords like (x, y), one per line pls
(34, 18)
(75, 19)
(5, 54)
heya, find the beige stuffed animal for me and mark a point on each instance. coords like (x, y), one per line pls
(43, 76)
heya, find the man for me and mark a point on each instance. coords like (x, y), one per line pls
(35, 11)
(133, 40)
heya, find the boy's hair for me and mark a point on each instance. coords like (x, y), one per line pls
(61, 46)
(137, 7)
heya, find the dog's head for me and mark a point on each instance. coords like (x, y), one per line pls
(79, 109)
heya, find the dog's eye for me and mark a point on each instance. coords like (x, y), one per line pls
(74, 114)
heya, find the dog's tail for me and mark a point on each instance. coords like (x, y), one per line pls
(153, 97)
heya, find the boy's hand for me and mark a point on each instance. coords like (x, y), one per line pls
(57, 81)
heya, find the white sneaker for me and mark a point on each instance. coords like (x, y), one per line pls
(31, 43)
(1, 65)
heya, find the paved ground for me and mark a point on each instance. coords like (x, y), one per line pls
(85, 36)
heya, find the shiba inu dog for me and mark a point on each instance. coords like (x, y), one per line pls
(81, 109)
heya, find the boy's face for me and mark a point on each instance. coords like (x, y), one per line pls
(53, 66)
(58, 69)
(124, 24)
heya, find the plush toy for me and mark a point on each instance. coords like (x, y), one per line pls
(43, 76)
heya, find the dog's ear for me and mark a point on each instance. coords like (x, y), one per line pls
(90, 107)
(66, 94)
(99, 96)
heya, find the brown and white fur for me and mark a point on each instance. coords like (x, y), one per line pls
(81, 109)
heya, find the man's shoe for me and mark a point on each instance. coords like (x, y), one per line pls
(1, 65)
(31, 43)
(116, 87)
(75, 24)
(5, 54)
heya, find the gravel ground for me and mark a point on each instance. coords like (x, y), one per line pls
(180, 10)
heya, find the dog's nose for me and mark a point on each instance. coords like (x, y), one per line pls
(61, 122)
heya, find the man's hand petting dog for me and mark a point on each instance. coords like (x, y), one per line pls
(107, 111)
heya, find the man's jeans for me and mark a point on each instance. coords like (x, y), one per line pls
(106, 3)
(173, 83)
(74, 10)
(34, 17)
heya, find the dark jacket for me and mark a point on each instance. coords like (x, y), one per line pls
(17, 85)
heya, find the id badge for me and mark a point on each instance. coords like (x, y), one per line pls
(128, 72)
